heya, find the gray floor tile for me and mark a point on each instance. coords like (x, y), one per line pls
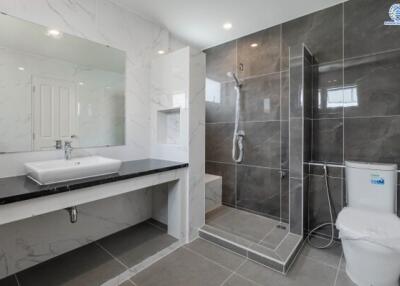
(344, 280)
(274, 238)
(127, 283)
(182, 268)
(244, 224)
(216, 253)
(288, 245)
(137, 243)
(9, 281)
(227, 235)
(306, 272)
(265, 251)
(330, 256)
(236, 280)
(86, 266)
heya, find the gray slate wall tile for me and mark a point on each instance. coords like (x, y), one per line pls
(263, 59)
(228, 174)
(376, 82)
(221, 107)
(328, 140)
(259, 190)
(219, 142)
(318, 202)
(320, 31)
(296, 208)
(364, 29)
(220, 60)
(262, 144)
(328, 90)
(372, 139)
(261, 98)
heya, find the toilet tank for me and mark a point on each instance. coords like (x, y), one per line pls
(371, 186)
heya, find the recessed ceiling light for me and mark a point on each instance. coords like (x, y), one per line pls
(81, 83)
(161, 52)
(21, 68)
(54, 33)
(227, 26)
(254, 45)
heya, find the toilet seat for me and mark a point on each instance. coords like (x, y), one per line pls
(375, 227)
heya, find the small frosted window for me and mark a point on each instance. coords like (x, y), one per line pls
(213, 91)
(338, 97)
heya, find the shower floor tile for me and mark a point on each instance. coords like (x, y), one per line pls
(255, 228)
(259, 238)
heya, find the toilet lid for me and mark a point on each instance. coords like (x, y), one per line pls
(381, 228)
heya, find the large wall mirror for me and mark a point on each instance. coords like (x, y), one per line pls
(55, 86)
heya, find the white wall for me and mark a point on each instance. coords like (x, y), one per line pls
(34, 240)
(178, 81)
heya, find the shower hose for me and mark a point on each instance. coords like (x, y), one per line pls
(331, 223)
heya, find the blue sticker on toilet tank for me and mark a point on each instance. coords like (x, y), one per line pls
(377, 180)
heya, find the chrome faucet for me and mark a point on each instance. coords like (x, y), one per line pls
(67, 150)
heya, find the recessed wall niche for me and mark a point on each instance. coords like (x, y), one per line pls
(169, 126)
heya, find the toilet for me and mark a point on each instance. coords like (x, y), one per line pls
(369, 227)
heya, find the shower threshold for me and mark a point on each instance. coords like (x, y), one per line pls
(264, 240)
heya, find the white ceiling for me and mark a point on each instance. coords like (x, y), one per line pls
(199, 22)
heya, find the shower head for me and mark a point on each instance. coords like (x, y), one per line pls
(233, 75)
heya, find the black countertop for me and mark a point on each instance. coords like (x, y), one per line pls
(20, 188)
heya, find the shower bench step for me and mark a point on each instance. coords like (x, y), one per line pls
(279, 259)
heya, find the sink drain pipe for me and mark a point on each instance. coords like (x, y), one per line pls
(73, 214)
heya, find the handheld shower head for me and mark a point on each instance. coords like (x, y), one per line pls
(233, 75)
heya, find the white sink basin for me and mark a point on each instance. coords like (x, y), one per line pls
(55, 171)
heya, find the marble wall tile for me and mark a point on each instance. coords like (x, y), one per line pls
(196, 141)
(28, 242)
(375, 80)
(364, 29)
(261, 98)
(213, 192)
(220, 102)
(318, 202)
(228, 174)
(328, 140)
(220, 60)
(77, 17)
(320, 31)
(263, 59)
(219, 142)
(374, 139)
(328, 90)
(104, 22)
(258, 189)
(262, 144)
